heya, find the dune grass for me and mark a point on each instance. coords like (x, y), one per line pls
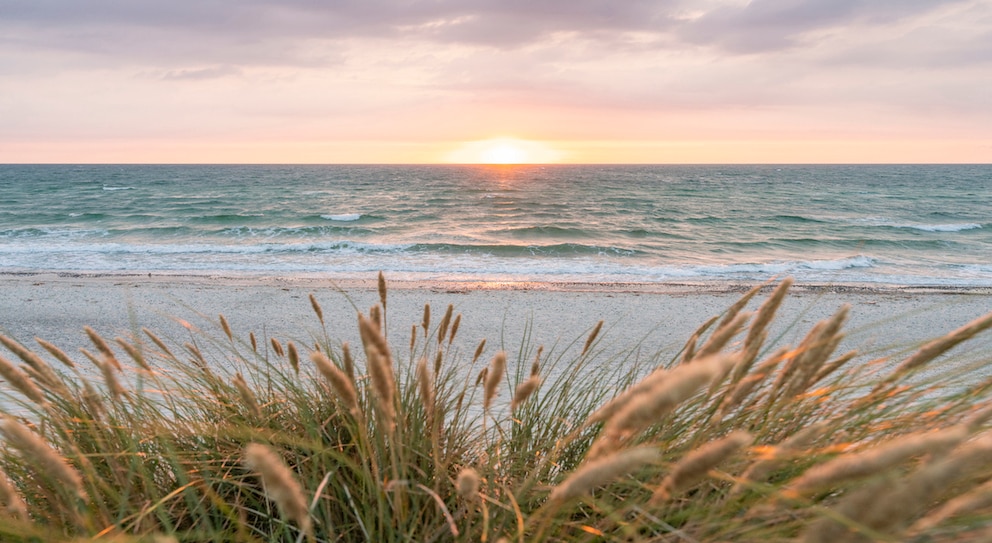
(734, 438)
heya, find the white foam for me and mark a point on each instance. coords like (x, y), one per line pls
(860, 261)
(105, 187)
(957, 227)
(347, 217)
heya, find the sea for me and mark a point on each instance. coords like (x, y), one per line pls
(902, 225)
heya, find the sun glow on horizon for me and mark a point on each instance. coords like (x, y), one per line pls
(504, 151)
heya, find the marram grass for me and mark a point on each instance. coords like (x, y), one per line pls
(227, 438)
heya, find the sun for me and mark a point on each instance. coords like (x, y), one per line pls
(504, 151)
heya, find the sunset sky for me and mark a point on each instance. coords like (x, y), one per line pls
(411, 81)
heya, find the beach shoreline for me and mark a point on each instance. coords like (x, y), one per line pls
(351, 282)
(648, 317)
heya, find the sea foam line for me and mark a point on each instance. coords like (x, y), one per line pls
(346, 217)
(941, 227)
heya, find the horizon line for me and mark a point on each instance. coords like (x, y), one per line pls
(496, 165)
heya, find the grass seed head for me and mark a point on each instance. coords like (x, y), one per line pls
(592, 337)
(158, 342)
(669, 391)
(535, 366)
(59, 354)
(103, 347)
(110, 378)
(889, 504)
(941, 345)
(134, 352)
(43, 457)
(316, 308)
(442, 329)
(21, 382)
(454, 328)
(877, 459)
(247, 396)
(225, 327)
(347, 362)
(497, 368)
(611, 407)
(382, 290)
(760, 470)
(372, 338)
(340, 382)
(976, 499)
(525, 390)
(740, 304)
(918, 489)
(294, 356)
(45, 372)
(384, 384)
(11, 500)
(478, 351)
(602, 471)
(198, 357)
(697, 463)
(467, 484)
(721, 336)
(375, 315)
(767, 311)
(280, 484)
(689, 350)
(277, 347)
(425, 381)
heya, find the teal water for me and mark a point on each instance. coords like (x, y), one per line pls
(900, 225)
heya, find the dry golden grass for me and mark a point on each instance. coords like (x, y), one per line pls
(280, 484)
(731, 439)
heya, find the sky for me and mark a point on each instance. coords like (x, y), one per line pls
(428, 81)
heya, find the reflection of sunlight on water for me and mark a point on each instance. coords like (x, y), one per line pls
(505, 175)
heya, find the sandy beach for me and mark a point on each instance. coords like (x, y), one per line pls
(655, 317)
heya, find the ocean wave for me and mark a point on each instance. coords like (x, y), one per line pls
(89, 215)
(342, 247)
(302, 234)
(345, 217)
(426, 261)
(53, 233)
(797, 219)
(333, 247)
(784, 267)
(543, 232)
(516, 251)
(925, 227)
(951, 227)
(107, 187)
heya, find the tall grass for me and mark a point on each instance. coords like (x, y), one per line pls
(223, 438)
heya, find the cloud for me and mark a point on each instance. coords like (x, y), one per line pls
(201, 74)
(769, 25)
(303, 32)
(396, 68)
